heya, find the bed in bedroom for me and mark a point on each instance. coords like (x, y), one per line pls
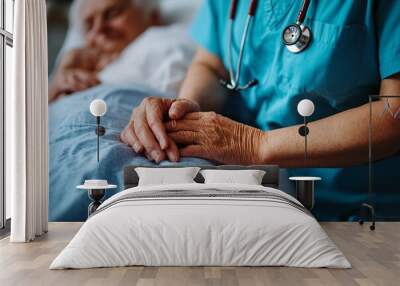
(192, 217)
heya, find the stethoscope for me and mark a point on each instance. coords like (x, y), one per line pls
(296, 37)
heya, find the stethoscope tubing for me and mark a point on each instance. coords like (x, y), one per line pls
(243, 46)
(303, 12)
(234, 78)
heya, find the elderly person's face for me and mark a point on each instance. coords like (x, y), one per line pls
(110, 25)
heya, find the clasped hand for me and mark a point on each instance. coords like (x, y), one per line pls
(159, 125)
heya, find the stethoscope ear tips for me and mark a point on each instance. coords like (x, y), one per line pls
(232, 86)
(252, 83)
(224, 83)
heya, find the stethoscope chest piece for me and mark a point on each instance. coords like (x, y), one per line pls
(296, 37)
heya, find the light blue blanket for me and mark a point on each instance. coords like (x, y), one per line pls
(73, 147)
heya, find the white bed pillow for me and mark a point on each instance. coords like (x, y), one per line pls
(247, 177)
(166, 176)
(159, 59)
(179, 11)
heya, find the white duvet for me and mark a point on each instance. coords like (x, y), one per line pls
(189, 231)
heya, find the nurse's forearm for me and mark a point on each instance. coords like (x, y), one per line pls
(202, 82)
(339, 140)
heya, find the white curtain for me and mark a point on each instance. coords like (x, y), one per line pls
(26, 124)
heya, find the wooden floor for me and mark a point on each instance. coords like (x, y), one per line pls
(375, 257)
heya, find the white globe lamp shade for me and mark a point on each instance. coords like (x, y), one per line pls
(98, 107)
(305, 108)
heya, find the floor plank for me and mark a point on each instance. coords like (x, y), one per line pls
(375, 257)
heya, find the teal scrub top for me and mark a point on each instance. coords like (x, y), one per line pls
(355, 44)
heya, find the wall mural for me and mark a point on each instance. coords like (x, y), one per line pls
(123, 57)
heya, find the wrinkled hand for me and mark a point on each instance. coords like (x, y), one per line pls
(78, 71)
(69, 81)
(146, 133)
(87, 58)
(211, 136)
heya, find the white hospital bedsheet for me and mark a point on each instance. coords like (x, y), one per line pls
(159, 59)
(200, 231)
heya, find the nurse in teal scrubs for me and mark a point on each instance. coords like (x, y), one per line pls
(354, 52)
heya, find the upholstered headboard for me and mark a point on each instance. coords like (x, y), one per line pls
(271, 177)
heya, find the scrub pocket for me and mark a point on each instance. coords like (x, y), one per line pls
(330, 67)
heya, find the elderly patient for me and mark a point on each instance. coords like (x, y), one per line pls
(109, 26)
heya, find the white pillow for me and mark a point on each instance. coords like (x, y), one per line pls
(182, 11)
(248, 177)
(166, 176)
(162, 67)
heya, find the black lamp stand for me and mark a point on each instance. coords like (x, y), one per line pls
(304, 131)
(100, 131)
(95, 195)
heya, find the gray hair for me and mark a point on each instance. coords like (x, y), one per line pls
(147, 5)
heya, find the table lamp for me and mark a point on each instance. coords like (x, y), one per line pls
(305, 108)
(96, 188)
(98, 108)
(305, 186)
